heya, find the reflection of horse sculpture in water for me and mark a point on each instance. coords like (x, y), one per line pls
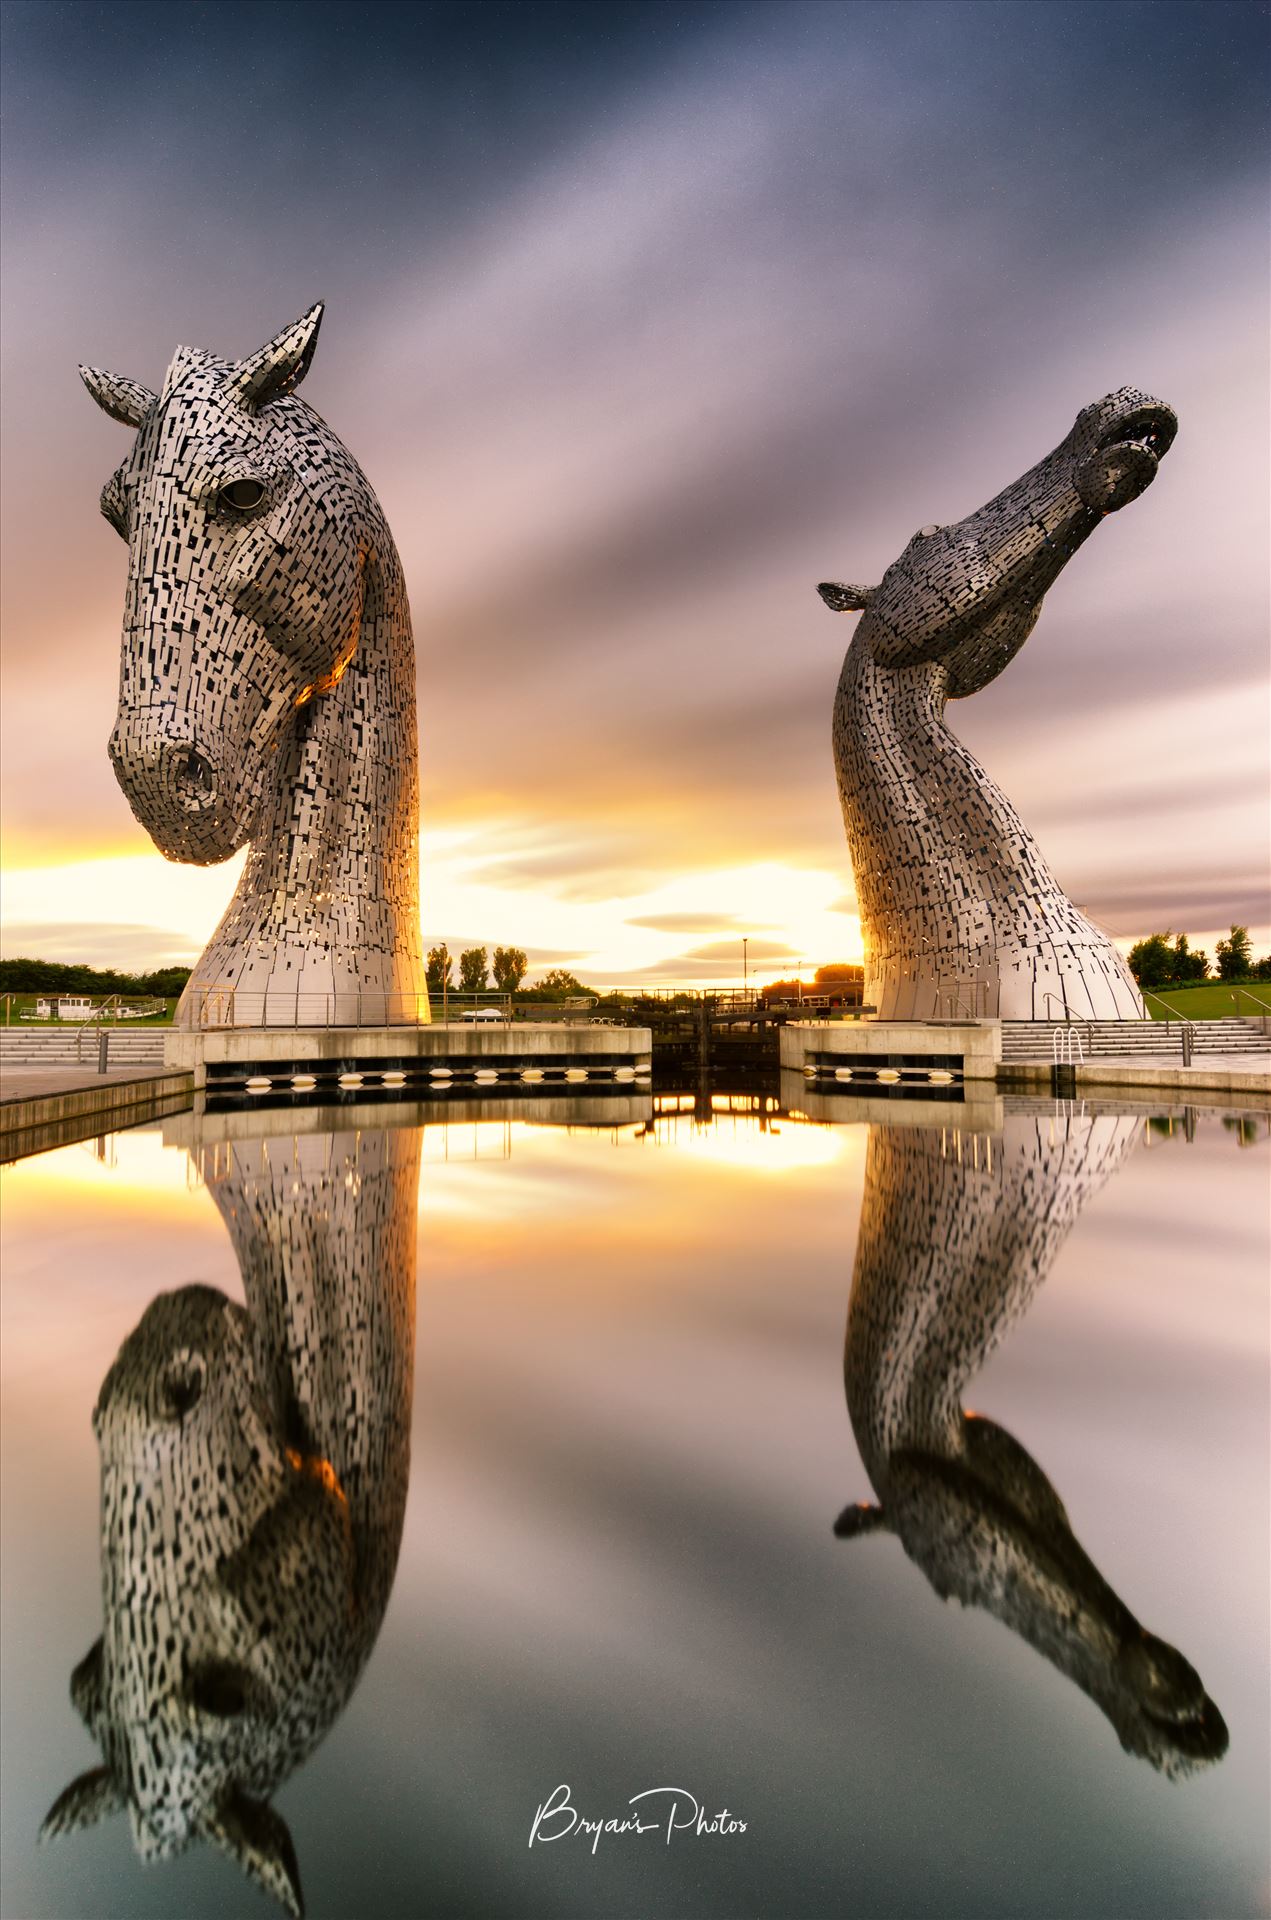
(267, 688)
(951, 1252)
(254, 1474)
(957, 904)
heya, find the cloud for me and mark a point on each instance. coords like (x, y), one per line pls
(692, 923)
(675, 336)
(131, 949)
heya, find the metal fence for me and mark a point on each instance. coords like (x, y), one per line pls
(216, 1007)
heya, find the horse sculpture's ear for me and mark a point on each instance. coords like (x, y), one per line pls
(861, 1518)
(282, 363)
(251, 1833)
(840, 599)
(85, 1802)
(124, 400)
(86, 1685)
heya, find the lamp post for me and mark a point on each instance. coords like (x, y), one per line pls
(745, 965)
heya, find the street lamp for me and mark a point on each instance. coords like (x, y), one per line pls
(745, 966)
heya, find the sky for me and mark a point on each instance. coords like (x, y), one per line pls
(642, 319)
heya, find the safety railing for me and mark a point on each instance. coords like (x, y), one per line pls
(1066, 1048)
(966, 999)
(215, 1007)
(1173, 1017)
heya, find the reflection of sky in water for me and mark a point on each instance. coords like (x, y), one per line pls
(630, 1444)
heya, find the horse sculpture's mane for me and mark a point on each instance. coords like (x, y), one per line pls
(267, 690)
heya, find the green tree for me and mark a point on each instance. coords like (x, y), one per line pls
(1152, 960)
(473, 966)
(509, 968)
(560, 982)
(1188, 966)
(1235, 959)
(437, 973)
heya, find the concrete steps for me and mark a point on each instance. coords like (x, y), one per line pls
(67, 1046)
(1034, 1040)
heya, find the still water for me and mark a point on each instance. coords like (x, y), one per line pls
(864, 1512)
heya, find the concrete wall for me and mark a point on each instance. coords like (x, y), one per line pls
(978, 1043)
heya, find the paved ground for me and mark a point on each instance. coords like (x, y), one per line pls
(28, 1082)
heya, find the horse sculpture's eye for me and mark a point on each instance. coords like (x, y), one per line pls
(241, 496)
(218, 1688)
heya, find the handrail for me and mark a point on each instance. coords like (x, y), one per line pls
(1171, 1013)
(1059, 998)
(1066, 1047)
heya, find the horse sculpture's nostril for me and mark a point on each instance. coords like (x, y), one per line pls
(198, 771)
(195, 779)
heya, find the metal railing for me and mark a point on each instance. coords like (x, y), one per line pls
(966, 997)
(218, 1007)
(1066, 1048)
(119, 1009)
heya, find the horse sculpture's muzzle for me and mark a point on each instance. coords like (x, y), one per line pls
(184, 790)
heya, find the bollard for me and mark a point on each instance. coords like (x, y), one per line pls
(103, 1044)
(1187, 1043)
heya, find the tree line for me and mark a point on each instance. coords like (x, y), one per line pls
(1166, 960)
(52, 976)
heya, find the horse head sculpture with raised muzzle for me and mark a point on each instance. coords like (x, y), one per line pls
(953, 1247)
(959, 912)
(267, 689)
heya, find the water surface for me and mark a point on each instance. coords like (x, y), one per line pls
(631, 1433)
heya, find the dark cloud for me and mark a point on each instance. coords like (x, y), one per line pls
(1191, 902)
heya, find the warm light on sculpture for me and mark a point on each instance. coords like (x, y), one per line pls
(267, 687)
(254, 1470)
(959, 911)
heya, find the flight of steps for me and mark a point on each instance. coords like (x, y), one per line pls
(1033, 1040)
(74, 1046)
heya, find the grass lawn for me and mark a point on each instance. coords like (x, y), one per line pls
(1213, 1000)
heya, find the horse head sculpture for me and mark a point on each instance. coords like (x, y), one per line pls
(254, 1473)
(958, 909)
(952, 1249)
(267, 690)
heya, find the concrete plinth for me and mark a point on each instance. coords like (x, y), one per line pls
(227, 1058)
(911, 1049)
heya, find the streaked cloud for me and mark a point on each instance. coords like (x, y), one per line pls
(734, 306)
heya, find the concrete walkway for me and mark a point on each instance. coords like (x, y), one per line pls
(53, 1106)
(28, 1082)
(1209, 1074)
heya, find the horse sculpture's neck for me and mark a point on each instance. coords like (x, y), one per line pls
(254, 1478)
(325, 917)
(964, 916)
(952, 1249)
(324, 1230)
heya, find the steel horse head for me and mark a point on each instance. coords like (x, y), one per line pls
(266, 689)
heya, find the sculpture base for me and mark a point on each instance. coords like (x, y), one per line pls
(232, 1059)
(1048, 981)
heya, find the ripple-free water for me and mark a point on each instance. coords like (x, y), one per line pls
(631, 1434)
